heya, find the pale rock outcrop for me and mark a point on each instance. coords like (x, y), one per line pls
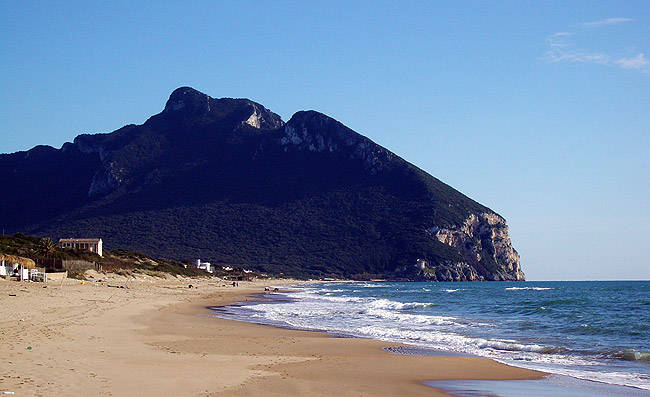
(315, 132)
(484, 244)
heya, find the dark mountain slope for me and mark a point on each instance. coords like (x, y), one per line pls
(227, 180)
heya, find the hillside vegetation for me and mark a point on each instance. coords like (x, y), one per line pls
(44, 252)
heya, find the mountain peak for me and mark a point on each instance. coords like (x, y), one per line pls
(312, 118)
(191, 104)
(317, 132)
(187, 99)
(309, 124)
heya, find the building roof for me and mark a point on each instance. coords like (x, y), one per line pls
(26, 262)
(80, 240)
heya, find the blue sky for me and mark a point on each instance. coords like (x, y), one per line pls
(540, 111)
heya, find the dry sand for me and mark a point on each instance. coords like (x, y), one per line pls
(158, 339)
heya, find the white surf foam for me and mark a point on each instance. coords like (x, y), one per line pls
(528, 288)
(389, 320)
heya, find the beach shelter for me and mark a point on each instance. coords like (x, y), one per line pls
(23, 263)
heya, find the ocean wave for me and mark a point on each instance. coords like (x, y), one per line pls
(328, 298)
(528, 288)
(512, 346)
(447, 340)
(451, 290)
(553, 350)
(367, 285)
(406, 318)
(625, 354)
(389, 304)
(567, 367)
(630, 355)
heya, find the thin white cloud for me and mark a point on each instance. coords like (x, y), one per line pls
(638, 62)
(559, 40)
(605, 22)
(561, 48)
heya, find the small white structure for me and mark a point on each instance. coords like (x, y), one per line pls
(10, 264)
(421, 264)
(90, 244)
(205, 266)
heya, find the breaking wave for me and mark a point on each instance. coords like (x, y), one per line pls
(528, 288)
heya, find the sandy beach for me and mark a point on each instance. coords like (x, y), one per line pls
(158, 338)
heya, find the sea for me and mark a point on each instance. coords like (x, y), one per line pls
(585, 330)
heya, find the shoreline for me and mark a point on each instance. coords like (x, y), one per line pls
(159, 337)
(415, 371)
(545, 382)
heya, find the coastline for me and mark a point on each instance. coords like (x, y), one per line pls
(158, 337)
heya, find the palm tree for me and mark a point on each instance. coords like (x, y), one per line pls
(46, 246)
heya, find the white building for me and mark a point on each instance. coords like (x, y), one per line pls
(205, 266)
(90, 244)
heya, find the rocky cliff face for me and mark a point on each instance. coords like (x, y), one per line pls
(227, 180)
(190, 105)
(316, 132)
(484, 244)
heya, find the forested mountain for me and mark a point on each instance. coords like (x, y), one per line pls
(227, 180)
